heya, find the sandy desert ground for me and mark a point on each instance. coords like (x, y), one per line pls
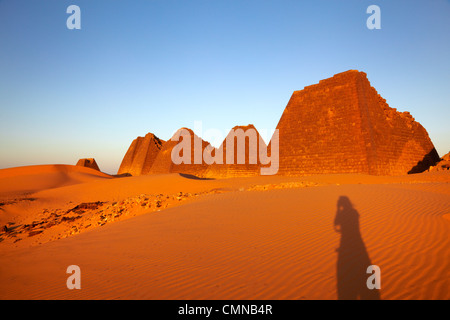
(179, 237)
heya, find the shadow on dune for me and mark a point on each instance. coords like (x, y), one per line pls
(122, 175)
(353, 259)
(191, 176)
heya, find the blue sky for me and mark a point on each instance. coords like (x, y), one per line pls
(158, 65)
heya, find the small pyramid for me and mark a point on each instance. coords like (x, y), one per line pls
(88, 163)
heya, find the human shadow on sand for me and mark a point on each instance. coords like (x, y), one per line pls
(353, 259)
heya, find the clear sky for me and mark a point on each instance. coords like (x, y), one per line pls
(158, 65)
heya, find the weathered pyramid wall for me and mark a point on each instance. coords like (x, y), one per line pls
(342, 125)
(163, 162)
(140, 155)
(237, 169)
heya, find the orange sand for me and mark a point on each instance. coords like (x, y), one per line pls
(237, 238)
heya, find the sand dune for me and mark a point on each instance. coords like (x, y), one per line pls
(240, 238)
(29, 179)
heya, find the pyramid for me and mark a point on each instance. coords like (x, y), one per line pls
(249, 164)
(141, 155)
(88, 163)
(164, 164)
(342, 125)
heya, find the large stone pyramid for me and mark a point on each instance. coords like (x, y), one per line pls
(140, 155)
(342, 125)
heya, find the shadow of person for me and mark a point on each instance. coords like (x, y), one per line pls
(353, 259)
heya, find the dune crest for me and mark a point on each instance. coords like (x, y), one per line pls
(30, 179)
